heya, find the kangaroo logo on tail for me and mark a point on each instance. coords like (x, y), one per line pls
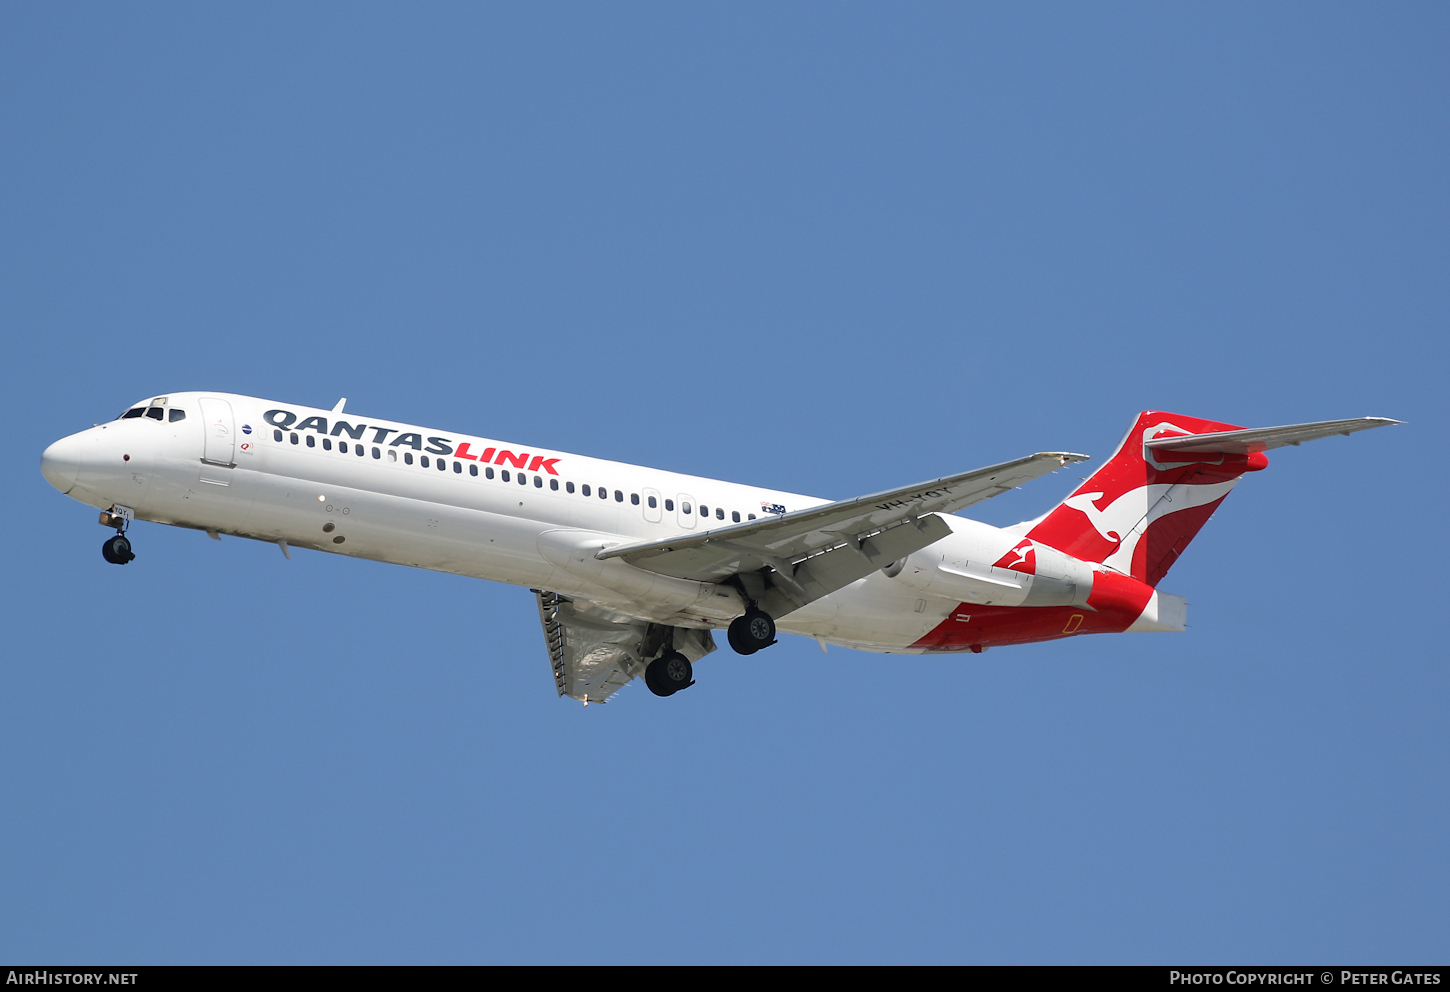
(1129, 516)
(1110, 522)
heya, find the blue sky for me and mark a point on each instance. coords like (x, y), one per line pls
(825, 248)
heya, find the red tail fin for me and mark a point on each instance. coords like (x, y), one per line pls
(1139, 511)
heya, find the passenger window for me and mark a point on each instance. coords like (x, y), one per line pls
(504, 474)
(719, 513)
(523, 479)
(473, 470)
(458, 468)
(634, 498)
(407, 458)
(750, 516)
(311, 441)
(488, 472)
(422, 459)
(327, 444)
(442, 465)
(377, 453)
(603, 493)
(652, 502)
(704, 510)
(156, 413)
(359, 449)
(392, 454)
(538, 482)
(669, 504)
(554, 484)
(293, 438)
(735, 516)
(174, 415)
(342, 446)
(585, 490)
(568, 487)
(135, 411)
(685, 507)
(276, 435)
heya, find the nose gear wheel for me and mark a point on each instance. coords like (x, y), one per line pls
(117, 550)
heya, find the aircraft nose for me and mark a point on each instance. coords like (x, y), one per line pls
(61, 462)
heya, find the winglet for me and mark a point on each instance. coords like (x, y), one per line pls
(340, 404)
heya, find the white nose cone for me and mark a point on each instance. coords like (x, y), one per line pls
(61, 462)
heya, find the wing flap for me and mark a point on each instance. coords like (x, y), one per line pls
(594, 652)
(1263, 438)
(822, 574)
(590, 659)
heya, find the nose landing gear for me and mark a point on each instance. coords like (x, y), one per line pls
(117, 550)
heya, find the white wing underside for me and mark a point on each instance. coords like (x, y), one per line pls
(594, 652)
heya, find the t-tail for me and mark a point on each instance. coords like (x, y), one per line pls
(1138, 512)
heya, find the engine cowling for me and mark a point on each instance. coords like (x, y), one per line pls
(1057, 579)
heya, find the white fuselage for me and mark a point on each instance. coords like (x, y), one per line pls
(358, 486)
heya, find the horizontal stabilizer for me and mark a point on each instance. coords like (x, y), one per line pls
(1263, 438)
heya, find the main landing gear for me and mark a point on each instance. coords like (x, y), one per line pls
(752, 632)
(116, 550)
(672, 671)
(669, 673)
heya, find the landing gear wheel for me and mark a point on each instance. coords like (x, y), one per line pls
(117, 550)
(735, 634)
(669, 673)
(752, 632)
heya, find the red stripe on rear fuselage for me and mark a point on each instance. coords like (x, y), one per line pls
(1115, 602)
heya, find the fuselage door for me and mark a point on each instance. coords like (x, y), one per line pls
(221, 440)
(686, 509)
(652, 502)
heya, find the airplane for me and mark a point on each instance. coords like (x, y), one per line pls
(634, 568)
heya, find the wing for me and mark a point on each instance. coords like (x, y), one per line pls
(594, 651)
(788, 561)
(1263, 438)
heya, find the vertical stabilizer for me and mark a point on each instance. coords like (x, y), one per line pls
(1139, 511)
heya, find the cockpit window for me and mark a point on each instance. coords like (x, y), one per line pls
(157, 409)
